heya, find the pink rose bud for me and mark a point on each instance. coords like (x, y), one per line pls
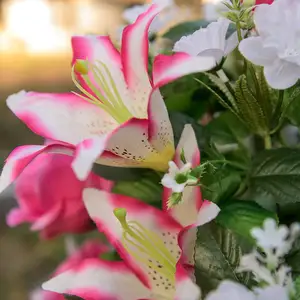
(50, 197)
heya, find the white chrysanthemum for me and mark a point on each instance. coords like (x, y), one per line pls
(177, 178)
(209, 41)
(277, 48)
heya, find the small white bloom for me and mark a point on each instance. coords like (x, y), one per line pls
(272, 293)
(235, 291)
(254, 263)
(170, 179)
(209, 41)
(277, 48)
(231, 291)
(272, 238)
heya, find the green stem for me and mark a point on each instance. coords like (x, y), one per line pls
(239, 32)
(268, 142)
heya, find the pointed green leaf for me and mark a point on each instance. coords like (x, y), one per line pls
(242, 216)
(217, 256)
(276, 173)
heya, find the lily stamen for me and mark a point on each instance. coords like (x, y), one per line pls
(104, 89)
(137, 237)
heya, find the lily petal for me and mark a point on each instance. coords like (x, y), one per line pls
(86, 154)
(186, 289)
(135, 48)
(160, 128)
(187, 237)
(129, 146)
(61, 117)
(186, 212)
(101, 206)
(169, 68)
(95, 279)
(20, 157)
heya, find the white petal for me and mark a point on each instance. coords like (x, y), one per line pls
(96, 279)
(253, 49)
(87, 153)
(282, 75)
(231, 43)
(231, 291)
(273, 293)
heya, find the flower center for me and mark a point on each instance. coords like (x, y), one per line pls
(143, 244)
(100, 88)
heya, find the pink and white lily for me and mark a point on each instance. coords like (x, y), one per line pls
(192, 210)
(120, 118)
(152, 244)
(91, 249)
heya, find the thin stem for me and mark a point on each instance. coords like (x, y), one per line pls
(268, 142)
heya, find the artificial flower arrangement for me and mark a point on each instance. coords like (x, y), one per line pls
(122, 155)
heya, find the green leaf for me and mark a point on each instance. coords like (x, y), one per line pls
(221, 184)
(242, 216)
(226, 129)
(297, 288)
(276, 173)
(178, 120)
(72, 298)
(116, 173)
(217, 256)
(178, 95)
(293, 106)
(147, 189)
(293, 259)
(249, 108)
(182, 29)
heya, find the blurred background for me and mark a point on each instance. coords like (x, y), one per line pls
(35, 54)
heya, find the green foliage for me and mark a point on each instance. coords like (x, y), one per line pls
(226, 129)
(242, 216)
(147, 189)
(182, 29)
(217, 256)
(276, 173)
(220, 184)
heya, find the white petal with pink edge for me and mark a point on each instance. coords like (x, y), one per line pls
(169, 68)
(20, 157)
(135, 46)
(62, 117)
(95, 279)
(187, 210)
(187, 239)
(159, 232)
(160, 128)
(86, 154)
(186, 289)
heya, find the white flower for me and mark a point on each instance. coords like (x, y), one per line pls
(253, 262)
(209, 41)
(277, 48)
(231, 291)
(235, 291)
(272, 293)
(177, 178)
(273, 238)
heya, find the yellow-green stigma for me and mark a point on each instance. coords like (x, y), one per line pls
(105, 93)
(146, 247)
